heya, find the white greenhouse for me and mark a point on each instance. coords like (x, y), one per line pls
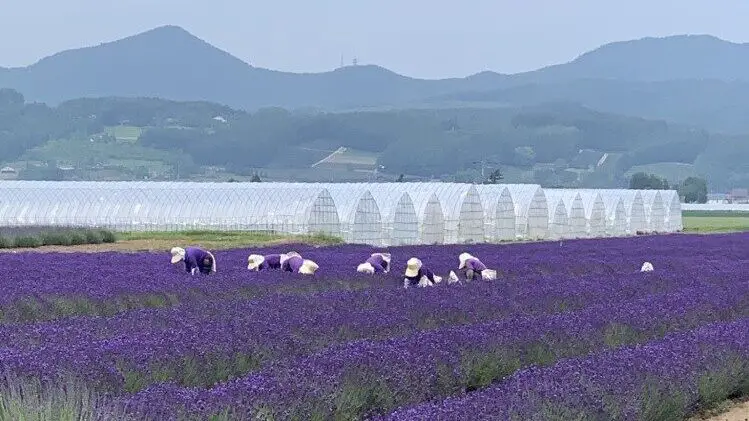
(399, 221)
(378, 214)
(573, 203)
(616, 215)
(595, 212)
(559, 226)
(499, 212)
(635, 209)
(531, 211)
(672, 204)
(358, 212)
(655, 212)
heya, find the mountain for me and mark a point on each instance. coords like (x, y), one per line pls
(716, 105)
(650, 59)
(169, 62)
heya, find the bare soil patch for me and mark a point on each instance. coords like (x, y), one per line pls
(738, 411)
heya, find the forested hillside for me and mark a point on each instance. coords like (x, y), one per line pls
(553, 144)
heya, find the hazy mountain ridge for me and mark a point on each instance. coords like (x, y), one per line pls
(169, 62)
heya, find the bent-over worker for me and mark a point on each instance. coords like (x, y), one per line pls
(195, 259)
(417, 274)
(258, 262)
(377, 263)
(293, 262)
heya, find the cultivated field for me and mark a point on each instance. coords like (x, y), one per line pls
(571, 330)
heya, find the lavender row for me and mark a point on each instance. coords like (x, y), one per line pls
(427, 365)
(675, 375)
(247, 334)
(108, 275)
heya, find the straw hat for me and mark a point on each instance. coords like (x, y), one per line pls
(178, 254)
(463, 258)
(365, 267)
(412, 267)
(308, 267)
(254, 261)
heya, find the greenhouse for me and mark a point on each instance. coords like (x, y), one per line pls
(635, 209)
(655, 212)
(531, 211)
(616, 216)
(379, 214)
(595, 212)
(573, 203)
(428, 211)
(399, 221)
(672, 206)
(499, 212)
(358, 212)
(164, 206)
(558, 224)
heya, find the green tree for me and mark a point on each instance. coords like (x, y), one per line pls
(494, 177)
(643, 181)
(693, 190)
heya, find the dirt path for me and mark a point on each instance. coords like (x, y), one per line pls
(739, 412)
(150, 245)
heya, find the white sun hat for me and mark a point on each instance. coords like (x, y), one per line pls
(463, 258)
(286, 256)
(178, 254)
(254, 261)
(365, 267)
(412, 267)
(488, 274)
(308, 267)
(647, 267)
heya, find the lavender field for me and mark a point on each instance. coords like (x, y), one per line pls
(571, 330)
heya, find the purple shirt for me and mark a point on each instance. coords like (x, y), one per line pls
(292, 264)
(475, 264)
(424, 271)
(271, 261)
(378, 263)
(194, 259)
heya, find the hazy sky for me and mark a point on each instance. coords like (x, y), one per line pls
(420, 38)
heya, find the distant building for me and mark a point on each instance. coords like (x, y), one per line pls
(8, 173)
(717, 198)
(738, 196)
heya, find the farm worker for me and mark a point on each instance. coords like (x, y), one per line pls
(377, 263)
(257, 262)
(293, 262)
(195, 260)
(474, 266)
(417, 274)
(647, 267)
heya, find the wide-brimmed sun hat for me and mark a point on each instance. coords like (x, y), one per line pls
(308, 267)
(178, 254)
(412, 267)
(254, 261)
(463, 258)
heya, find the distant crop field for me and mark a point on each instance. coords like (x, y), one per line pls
(716, 223)
(124, 133)
(672, 171)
